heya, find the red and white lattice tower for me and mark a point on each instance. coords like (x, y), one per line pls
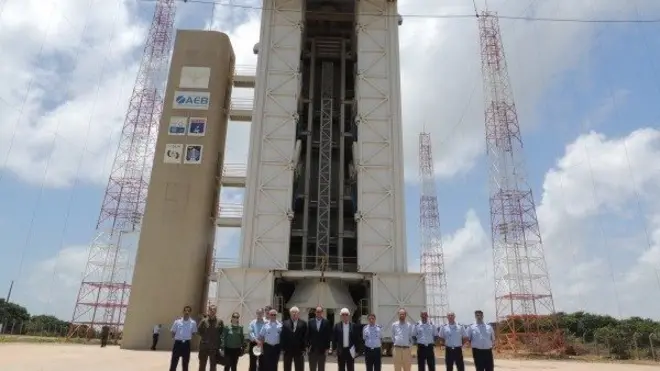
(523, 296)
(104, 291)
(432, 262)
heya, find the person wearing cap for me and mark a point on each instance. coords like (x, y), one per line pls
(453, 335)
(294, 332)
(482, 338)
(373, 336)
(425, 334)
(269, 340)
(345, 340)
(402, 338)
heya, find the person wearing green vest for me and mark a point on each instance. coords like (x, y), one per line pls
(233, 342)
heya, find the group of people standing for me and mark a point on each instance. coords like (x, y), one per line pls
(294, 338)
(219, 343)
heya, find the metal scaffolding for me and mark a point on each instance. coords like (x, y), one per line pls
(325, 164)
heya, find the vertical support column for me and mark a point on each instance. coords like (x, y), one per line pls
(342, 159)
(379, 146)
(269, 187)
(308, 154)
(325, 165)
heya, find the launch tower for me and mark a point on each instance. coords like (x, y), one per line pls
(323, 219)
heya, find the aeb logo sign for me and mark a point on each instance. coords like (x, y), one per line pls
(198, 100)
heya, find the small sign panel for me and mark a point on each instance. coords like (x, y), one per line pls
(193, 154)
(197, 100)
(195, 77)
(177, 125)
(173, 153)
(197, 126)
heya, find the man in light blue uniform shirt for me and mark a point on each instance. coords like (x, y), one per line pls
(182, 331)
(425, 334)
(402, 337)
(453, 335)
(372, 335)
(255, 329)
(269, 338)
(482, 338)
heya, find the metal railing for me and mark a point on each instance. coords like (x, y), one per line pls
(245, 70)
(331, 264)
(219, 263)
(234, 170)
(241, 104)
(230, 210)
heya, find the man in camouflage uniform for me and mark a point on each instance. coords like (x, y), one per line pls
(210, 330)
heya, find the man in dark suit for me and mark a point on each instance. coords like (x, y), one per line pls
(294, 340)
(345, 341)
(319, 335)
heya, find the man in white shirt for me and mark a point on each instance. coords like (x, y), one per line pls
(155, 335)
(346, 339)
(182, 331)
(402, 338)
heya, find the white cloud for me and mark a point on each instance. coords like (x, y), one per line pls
(52, 284)
(441, 77)
(66, 84)
(594, 267)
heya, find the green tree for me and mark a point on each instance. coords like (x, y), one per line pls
(12, 316)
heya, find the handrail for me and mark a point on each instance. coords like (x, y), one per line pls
(230, 210)
(332, 263)
(234, 170)
(243, 104)
(219, 263)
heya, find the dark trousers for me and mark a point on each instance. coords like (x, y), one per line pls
(255, 362)
(317, 359)
(271, 354)
(207, 356)
(483, 359)
(181, 349)
(344, 360)
(454, 356)
(154, 341)
(294, 357)
(104, 341)
(425, 357)
(372, 359)
(231, 358)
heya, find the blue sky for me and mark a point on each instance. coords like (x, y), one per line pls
(581, 90)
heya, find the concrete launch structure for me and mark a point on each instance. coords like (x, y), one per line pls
(178, 228)
(323, 216)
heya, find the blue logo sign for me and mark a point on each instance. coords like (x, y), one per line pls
(191, 100)
(197, 126)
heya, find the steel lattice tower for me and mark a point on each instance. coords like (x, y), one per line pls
(325, 165)
(432, 262)
(523, 296)
(104, 292)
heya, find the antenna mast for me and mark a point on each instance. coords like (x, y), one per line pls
(523, 296)
(104, 291)
(432, 262)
